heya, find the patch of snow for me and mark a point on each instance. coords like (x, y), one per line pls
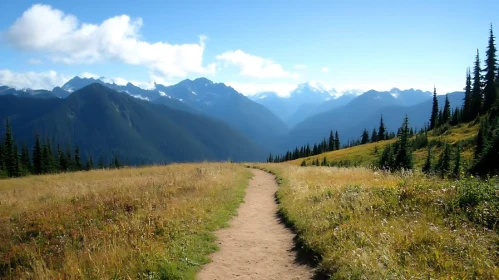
(193, 92)
(162, 93)
(140, 97)
(395, 94)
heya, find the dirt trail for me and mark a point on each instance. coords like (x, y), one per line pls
(256, 245)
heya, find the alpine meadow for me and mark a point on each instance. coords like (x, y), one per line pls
(249, 140)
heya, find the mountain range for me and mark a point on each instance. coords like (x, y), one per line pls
(103, 121)
(199, 119)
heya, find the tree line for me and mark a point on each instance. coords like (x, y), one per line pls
(481, 104)
(43, 158)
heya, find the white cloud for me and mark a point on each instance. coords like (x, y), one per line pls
(252, 89)
(255, 66)
(324, 69)
(89, 75)
(34, 61)
(299, 66)
(34, 80)
(43, 28)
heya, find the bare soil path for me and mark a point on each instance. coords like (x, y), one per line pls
(256, 245)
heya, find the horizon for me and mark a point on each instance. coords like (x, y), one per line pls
(363, 46)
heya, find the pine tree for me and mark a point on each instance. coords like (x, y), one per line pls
(270, 158)
(446, 112)
(490, 90)
(476, 91)
(374, 136)
(382, 130)
(16, 172)
(331, 141)
(9, 156)
(386, 159)
(46, 164)
(324, 162)
(337, 142)
(90, 163)
(481, 139)
(444, 162)
(457, 166)
(116, 162)
(25, 160)
(63, 164)
(37, 156)
(404, 155)
(365, 137)
(427, 166)
(467, 98)
(434, 111)
(77, 159)
(69, 159)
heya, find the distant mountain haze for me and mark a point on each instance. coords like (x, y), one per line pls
(365, 111)
(266, 122)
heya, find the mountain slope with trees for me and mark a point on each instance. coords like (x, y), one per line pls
(105, 122)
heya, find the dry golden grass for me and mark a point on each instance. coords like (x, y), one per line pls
(134, 223)
(375, 225)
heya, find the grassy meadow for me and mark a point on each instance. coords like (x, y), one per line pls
(368, 154)
(365, 224)
(132, 223)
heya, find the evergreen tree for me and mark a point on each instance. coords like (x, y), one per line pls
(476, 91)
(25, 160)
(374, 136)
(434, 110)
(365, 137)
(404, 155)
(37, 156)
(324, 162)
(337, 143)
(331, 141)
(8, 150)
(90, 163)
(77, 159)
(69, 159)
(467, 110)
(382, 130)
(16, 170)
(481, 139)
(46, 163)
(427, 166)
(490, 90)
(386, 159)
(63, 164)
(446, 112)
(444, 162)
(117, 163)
(457, 166)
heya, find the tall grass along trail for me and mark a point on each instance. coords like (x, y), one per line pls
(256, 245)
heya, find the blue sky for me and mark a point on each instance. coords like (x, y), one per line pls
(251, 45)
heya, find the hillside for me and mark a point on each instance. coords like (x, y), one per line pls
(363, 112)
(369, 154)
(105, 122)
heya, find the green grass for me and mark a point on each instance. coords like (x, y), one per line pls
(134, 223)
(368, 154)
(365, 224)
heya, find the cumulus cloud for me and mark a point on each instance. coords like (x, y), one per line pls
(34, 80)
(248, 89)
(299, 66)
(324, 69)
(255, 66)
(43, 28)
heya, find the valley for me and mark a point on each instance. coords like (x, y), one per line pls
(253, 140)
